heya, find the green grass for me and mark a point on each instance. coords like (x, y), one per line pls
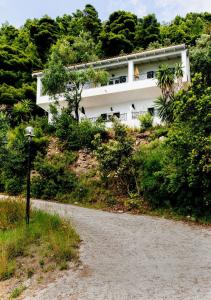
(48, 236)
(17, 292)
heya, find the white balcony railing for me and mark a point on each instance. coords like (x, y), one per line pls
(122, 79)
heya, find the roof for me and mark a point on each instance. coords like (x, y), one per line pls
(123, 58)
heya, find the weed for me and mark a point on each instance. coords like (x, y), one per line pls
(17, 291)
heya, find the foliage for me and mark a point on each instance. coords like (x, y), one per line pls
(146, 121)
(185, 29)
(54, 176)
(47, 236)
(91, 21)
(13, 155)
(115, 159)
(118, 33)
(147, 31)
(169, 80)
(22, 111)
(17, 291)
(149, 161)
(200, 57)
(75, 136)
(60, 80)
(177, 171)
(43, 32)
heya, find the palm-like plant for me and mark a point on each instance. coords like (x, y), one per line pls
(169, 81)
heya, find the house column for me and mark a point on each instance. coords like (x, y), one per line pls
(39, 87)
(130, 71)
(185, 65)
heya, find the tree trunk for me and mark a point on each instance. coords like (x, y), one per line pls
(76, 112)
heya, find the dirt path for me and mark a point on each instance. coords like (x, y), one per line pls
(129, 257)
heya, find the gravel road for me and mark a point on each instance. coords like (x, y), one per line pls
(129, 257)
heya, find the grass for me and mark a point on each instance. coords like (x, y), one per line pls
(140, 206)
(48, 237)
(17, 292)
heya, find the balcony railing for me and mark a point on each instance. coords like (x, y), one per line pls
(108, 117)
(121, 117)
(145, 76)
(116, 80)
(136, 114)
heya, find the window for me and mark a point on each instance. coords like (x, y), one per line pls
(150, 74)
(117, 114)
(123, 79)
(103, 117)
(151, 110)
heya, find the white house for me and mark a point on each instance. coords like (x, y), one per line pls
(131, 88)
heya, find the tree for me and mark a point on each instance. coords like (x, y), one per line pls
(169, 80)
(118, 33)
(64, 24)
(84, 48)
(147, 31)
(8, 33)
(22, 111)
(91, 21)
(58, 79)
(200, 57)
(185, 30)
(44, 32)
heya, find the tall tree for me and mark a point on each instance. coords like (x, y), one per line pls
(169, 80)
(118, 33)
(147, 31)
(44, 32)
(58, 79)
(91, 21)
(200, 57)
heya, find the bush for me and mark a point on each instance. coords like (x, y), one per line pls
(177, 172)
(54, 177)
(76, 135)
(149, 161)
(13, 155)
(115, 159)
(146, 121)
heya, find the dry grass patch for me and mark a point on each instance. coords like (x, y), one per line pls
(48, 243)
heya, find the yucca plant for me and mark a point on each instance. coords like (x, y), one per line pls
(169, 80)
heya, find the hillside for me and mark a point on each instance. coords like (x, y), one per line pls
(151, 167)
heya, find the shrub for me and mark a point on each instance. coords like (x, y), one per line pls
(177, 172)
(13, 155)
(54, 177)
(146, 121)
(115, 159)
(159, 131)
(13, 186)
(149, 161)
(76, 135)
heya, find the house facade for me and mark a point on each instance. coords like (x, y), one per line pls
(131, 88)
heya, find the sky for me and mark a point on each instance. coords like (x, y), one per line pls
(17, 11)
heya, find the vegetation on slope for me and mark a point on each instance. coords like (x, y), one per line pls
(48, 243)
(171, 171)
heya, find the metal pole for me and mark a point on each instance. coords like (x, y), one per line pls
(28, 183)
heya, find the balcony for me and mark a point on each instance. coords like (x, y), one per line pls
(121, 80)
